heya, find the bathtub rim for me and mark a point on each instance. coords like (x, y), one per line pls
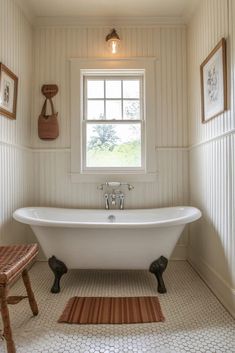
(188, 218)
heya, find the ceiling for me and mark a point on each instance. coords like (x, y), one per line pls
(110, 8)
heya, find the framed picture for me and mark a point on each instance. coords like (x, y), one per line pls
(8, 92)
(214, 82)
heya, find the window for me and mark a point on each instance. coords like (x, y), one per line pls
(113, 119)
(113, 122)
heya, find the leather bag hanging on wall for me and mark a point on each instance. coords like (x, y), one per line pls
(48, 127)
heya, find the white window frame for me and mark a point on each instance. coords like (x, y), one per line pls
(122, 67)
(111, 75)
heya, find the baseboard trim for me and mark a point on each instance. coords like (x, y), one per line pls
(180, 253)
(222, 290)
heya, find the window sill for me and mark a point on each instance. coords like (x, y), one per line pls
(97, 178)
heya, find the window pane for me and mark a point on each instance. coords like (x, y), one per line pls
(113, 109)
(113, 89)
(113, 145)
(131, 89)
(95, 109)
(95, 89)
(131, 109)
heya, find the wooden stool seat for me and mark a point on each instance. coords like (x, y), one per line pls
(14, 260)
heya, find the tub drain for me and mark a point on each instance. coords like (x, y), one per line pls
(111, 218)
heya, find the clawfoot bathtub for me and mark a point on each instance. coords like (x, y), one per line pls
(107, 239)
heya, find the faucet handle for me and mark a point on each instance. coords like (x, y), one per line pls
(130, 187)
(121, 204)
(106, 197)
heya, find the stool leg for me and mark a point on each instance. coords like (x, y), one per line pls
(32, 301)
(6, 321)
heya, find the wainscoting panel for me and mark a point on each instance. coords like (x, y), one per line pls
(210, 185)
(53, 185)
(15, 158)
(16, 191)
(212, 177)
(53, 182)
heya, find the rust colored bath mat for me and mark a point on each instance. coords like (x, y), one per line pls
(103, 310)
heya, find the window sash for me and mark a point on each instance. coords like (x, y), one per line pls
(122, 99)
(112, 122)
(140, 121)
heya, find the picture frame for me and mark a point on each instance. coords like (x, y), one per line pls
(8, 92)
(213, 74)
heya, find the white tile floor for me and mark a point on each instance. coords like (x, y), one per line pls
(195, 320)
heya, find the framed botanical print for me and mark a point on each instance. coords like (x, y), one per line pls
(8, 92)
(214, 82)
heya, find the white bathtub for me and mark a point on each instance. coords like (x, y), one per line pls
(88, 239)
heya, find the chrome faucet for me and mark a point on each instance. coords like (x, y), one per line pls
(116, 197)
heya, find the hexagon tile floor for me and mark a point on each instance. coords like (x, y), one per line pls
(195, 320)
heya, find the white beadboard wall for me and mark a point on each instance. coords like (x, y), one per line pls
(53, 47)
(38, 172)
(15, 154)
(212, 177)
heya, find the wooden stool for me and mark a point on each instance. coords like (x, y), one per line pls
(14, 260)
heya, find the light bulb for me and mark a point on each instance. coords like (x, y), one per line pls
(114, 46)
(113, 41)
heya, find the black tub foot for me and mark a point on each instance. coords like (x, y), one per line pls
(59, 269)
(157, 267)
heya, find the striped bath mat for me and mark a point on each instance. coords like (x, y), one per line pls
(103, 310)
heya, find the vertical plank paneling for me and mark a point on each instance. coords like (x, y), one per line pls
(52, 49)
(15, 158)
(211, 164)
(52, 168)
(55, 46)
(206, 28)
(212, 175)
